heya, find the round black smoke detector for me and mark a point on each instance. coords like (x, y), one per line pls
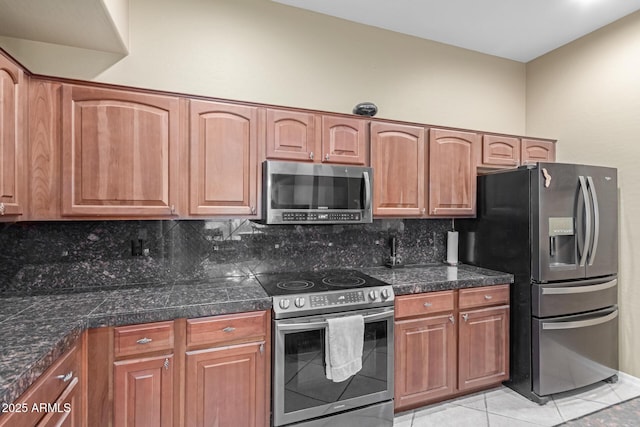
(365, 109)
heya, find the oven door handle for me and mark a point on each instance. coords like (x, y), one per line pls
(323, 323)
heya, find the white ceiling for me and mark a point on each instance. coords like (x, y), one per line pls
(520, 30)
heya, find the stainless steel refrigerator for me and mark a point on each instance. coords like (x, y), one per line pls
(555, 227)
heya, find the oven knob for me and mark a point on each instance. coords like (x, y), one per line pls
(373, 295)
(299, 302)
(385, 293)
(284, 304)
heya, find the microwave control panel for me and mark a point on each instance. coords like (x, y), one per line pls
(321, 216)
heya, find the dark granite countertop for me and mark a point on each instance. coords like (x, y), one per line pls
(413, 279)
(39, 329)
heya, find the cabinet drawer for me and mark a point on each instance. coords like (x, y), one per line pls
(47, 389)
(419, 304)
(485, 296)
(226, 328)
(140, 339)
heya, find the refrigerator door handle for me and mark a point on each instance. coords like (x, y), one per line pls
(580, 289)
(587, 221)
(596, 220)
(580, 323)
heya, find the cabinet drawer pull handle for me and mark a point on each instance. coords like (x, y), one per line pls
(465, 317)
(488, 297)
(262, 348)
(311, 155)
(427, 304)
(326, 157)
(144, 340)
(2, 209)
(166, 364)
(65, 378)
(228, 329)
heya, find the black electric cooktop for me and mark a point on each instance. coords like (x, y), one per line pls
(294, 283)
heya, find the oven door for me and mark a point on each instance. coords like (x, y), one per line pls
(301, 391)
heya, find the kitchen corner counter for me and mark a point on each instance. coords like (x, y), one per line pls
(39, 329)
(413, 279)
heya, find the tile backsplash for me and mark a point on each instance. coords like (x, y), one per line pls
(49, 256)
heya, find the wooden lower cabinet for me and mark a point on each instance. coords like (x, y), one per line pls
(483, 351)
(425, 359)
(55, 398)
(209, 371)
(225, 386)
(143, 392)
(461, 347)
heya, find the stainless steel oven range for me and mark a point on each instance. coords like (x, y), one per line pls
(301, 393)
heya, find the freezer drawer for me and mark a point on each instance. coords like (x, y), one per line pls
(559, 299)
(574, 351)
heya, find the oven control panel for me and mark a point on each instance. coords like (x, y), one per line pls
(331, 301)
(323, 300)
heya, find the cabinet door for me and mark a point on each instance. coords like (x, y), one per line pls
(535, 150)
(292, 135)
(143, 392)
(453, 159)
(500, 151)
(13, 95)
(224, 168)
(398, 161)
(344, 140)
(425, 360)
(226, 386)
(118, 151)
(483, 347)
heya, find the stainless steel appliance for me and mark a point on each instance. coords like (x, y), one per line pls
(307, 193)
(555, 227)
(301, 393)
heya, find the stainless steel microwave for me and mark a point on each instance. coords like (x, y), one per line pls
(307, 193)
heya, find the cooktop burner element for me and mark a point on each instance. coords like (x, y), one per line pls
(307, 293)
(295, 285)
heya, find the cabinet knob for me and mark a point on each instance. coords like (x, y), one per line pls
(465, 317)
(326, 157)
(452, 319)
(424, 210)
(253, 210)
(2, 209)
(166, 364)
(311, 155)
(173, 209)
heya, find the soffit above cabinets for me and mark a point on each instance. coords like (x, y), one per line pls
(520, 30)
(101, 25)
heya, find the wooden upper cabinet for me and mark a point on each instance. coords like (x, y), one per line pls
(500, 151)
(13, 96)
(398, 162)
(224, 161)
(453, 159)
(344, 140)
(118, 152)
(537, 150)
(308, 137)
(292, 135)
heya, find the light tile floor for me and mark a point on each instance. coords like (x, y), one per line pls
(503, 407)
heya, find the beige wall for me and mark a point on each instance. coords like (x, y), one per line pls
(258, 50)
(587, 94)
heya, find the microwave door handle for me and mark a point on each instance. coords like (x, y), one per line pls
(587, 225)
(367, 191)
(596, 220)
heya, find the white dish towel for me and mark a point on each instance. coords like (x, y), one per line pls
(344, 339)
